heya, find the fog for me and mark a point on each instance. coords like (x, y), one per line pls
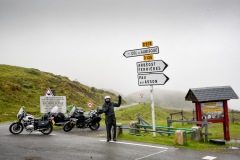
(85, 40)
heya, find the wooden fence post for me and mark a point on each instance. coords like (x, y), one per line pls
(193, 113)
(232, 116)
(182, 117)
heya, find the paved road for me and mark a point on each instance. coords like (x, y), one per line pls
(61, 146)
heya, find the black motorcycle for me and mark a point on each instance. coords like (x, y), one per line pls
(30, 123)
(59, 119)
(90, 120)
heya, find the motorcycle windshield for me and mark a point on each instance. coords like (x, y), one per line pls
(20, 112)
(72, 110)
(54, 109)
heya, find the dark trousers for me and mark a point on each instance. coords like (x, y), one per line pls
(111, 122)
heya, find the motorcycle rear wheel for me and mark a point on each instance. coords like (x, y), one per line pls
(16, 128)
(48, 130)
(94, 126)
(67, 127)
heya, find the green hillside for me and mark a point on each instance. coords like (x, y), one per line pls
(23, 87)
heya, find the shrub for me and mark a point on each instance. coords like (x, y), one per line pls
(28, 85)
(33, 71)
(93, 89)
(16, 87)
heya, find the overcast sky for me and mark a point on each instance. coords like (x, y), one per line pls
(86, 39)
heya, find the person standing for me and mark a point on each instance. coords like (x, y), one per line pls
(110, 119)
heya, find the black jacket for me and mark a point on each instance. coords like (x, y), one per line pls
(108, 108)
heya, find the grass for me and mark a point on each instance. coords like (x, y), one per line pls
(169, 141)
(125, 116)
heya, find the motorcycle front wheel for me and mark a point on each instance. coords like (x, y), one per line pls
(67, 127)
(94, 126)
(48, 130)
(16, 128)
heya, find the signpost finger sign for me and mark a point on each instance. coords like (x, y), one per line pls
(151, 66)
(152, 79)
(141, 52)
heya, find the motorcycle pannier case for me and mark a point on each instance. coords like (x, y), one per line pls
(43, 124)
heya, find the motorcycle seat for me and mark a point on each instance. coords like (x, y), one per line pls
(66, 118)
(37, 119)
(87, 116)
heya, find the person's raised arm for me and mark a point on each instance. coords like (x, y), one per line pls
(119, 102)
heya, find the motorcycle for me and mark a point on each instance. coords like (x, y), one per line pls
(30, 123)
(90, 120)
(59, 119)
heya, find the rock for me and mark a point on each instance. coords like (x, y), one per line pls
(197, 135)
(180, 137)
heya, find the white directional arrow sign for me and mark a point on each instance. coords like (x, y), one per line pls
(141, 52)
(152, 79)
(151, 66)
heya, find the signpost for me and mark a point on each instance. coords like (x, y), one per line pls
(141, 52)
(49, 92)
(149, 71)
(141, 95)
(151, 66)
(152, 79)
(48, 102)
(212, 110)
(90, 104)
(153, 112)
(147, 43)
(148, 57)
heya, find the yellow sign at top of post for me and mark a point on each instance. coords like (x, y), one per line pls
(147, 43)
(148, 57)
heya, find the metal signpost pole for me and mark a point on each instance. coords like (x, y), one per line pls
(153, 112)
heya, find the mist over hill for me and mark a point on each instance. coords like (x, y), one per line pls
(163, 98)
(113, 91)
